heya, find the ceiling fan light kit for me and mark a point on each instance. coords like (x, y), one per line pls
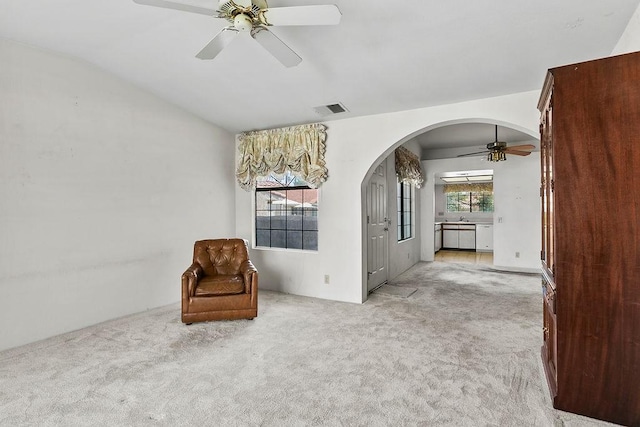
(253, 17)
(496, 156)
(242, 23)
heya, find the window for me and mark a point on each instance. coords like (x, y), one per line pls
(405, 205)
(470, 201)
(286, 213)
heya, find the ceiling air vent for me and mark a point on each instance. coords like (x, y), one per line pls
(326, 110)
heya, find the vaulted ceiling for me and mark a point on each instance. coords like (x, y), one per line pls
(383, 56)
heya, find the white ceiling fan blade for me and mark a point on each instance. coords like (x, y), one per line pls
(303, 15)
(177, 6)
(219, 42)
(275, 47)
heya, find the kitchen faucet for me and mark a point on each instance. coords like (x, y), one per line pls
(461, 218)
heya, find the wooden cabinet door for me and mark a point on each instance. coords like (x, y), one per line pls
(547, 187)
(550, 337)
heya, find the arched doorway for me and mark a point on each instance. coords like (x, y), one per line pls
(425, 207)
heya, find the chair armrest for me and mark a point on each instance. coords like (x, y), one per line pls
(190, 278)
(250, 275)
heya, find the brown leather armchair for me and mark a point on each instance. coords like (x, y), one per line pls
(222, 283)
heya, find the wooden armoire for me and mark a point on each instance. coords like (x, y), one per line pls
(590, 151)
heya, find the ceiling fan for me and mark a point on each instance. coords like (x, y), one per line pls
(253, 17)
(498, 150)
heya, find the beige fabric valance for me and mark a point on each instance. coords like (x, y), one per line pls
(408, 167)
(479, 186)
(298, 149)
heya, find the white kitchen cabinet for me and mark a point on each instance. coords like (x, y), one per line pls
(437, 238)
(450, 236)
(484, 237)
(467, 237)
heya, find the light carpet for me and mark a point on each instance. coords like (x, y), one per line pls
(396, 291)
(463, 350)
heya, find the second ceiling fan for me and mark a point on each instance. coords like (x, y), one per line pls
(498, 150)
(253, 17)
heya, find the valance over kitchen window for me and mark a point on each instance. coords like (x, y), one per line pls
(408, 167)
(476, 187)
(298, 149)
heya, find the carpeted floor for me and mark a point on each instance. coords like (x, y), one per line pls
(462, 350)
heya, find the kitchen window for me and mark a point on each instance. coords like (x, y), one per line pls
(470, 201)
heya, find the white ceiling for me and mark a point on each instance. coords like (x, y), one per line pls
(384, 56)
(476, 135)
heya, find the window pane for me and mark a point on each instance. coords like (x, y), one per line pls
(407, 218)
(464, 202)
(310, 240)
(294, 239)
(488, 202)
(262, 238)
(263, 200)
(294, 222)
(279, 222)
(453, 202)
(278, 239)
(263, 220)
(310, 223)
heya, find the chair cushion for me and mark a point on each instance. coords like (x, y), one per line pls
(220, 284)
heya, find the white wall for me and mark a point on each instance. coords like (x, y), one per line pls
(517, 215)
(630, 39)
(353, 147)
(104, 188)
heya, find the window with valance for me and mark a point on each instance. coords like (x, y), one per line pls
(472, 197)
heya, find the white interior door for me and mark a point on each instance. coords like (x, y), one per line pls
(377, 229)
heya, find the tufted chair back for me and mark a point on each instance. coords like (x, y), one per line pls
(220, 256)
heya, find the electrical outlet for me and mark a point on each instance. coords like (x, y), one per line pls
(517, 254)
(326, 279)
